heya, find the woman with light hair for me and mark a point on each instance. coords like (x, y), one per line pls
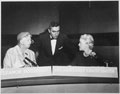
(86, 56)
(86, 44)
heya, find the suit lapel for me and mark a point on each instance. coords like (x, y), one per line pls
(58, 44)
(48, 44)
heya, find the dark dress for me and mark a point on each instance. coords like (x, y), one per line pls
(80, 60)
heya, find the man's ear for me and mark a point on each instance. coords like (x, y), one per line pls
(49, 30)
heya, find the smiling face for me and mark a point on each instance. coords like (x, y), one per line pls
(83, 45)
(54, 31)
(86, 42)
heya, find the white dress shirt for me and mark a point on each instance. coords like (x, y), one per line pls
(53, 45)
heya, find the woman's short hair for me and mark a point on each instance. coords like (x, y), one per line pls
(22, 35)
(88, 39)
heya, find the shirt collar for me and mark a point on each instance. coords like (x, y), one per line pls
(52, 38)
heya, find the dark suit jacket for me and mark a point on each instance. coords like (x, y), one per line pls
(64, 51)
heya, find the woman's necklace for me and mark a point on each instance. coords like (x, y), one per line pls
(85, 55)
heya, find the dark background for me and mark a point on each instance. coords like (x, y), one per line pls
(99, 18)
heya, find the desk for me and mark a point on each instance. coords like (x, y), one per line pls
(57, 75)
(60, 79)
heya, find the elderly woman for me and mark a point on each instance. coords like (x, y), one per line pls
(86, 56)
(20, 55)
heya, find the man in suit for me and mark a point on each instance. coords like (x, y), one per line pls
(53, 48)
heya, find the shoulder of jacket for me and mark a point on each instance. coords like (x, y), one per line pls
(11, 50)
(42, 35)
(63, 35)
(30, 51)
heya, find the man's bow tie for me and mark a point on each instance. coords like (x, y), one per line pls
(52, 39)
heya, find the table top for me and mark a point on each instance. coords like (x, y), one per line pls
(58, 75)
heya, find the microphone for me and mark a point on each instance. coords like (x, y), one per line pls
(25, 62)
(34, 64)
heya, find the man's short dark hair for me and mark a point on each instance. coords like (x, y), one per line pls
(54, 24)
